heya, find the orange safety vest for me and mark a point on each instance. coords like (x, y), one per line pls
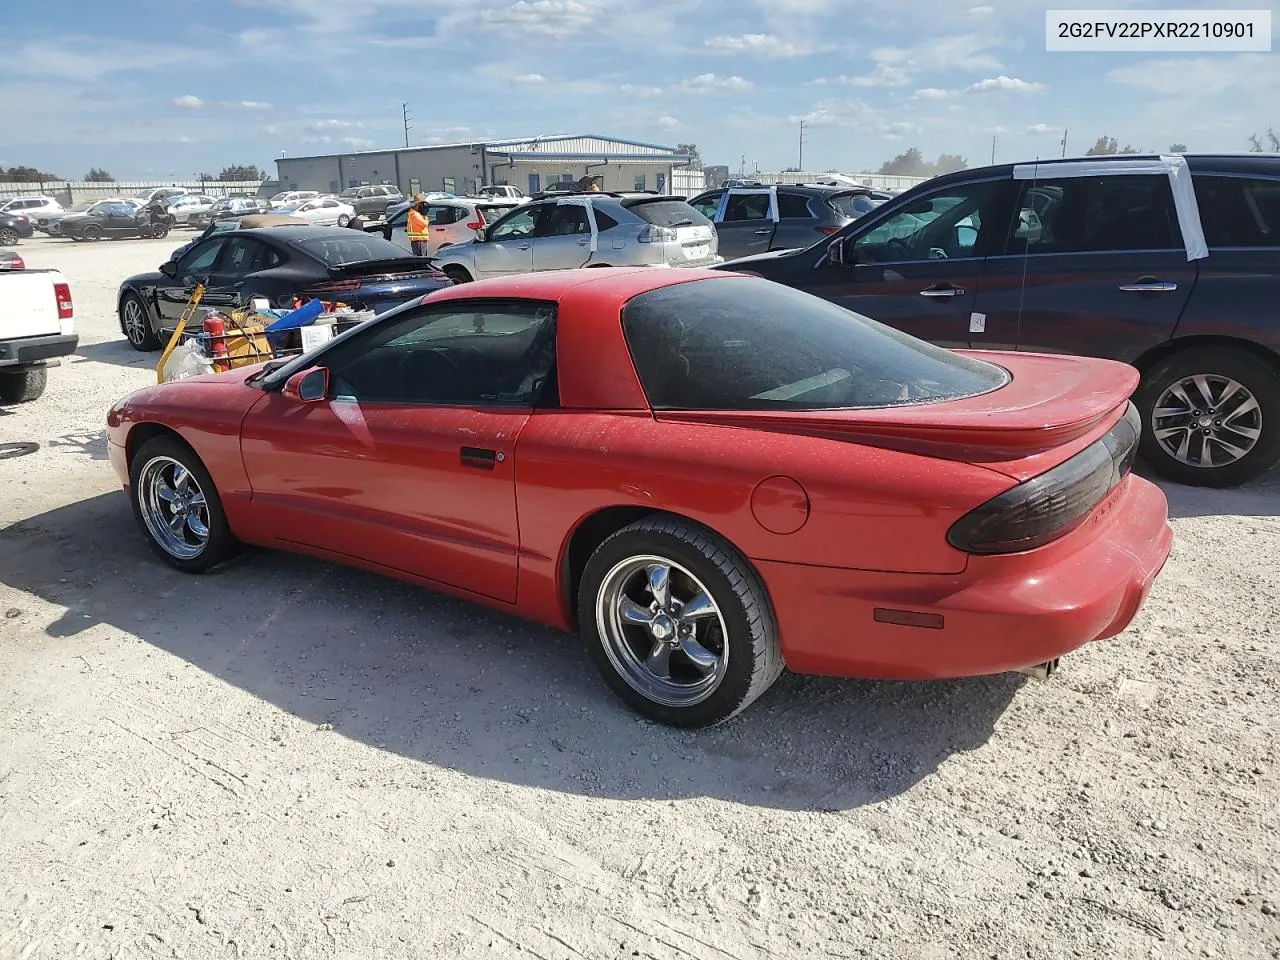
(419, 227)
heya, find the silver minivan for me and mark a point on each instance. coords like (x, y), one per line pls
(587, 230)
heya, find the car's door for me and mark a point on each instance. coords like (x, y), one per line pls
(562, 240)
(916, 265)
(746, 221)
(409, 461)
(397, 229)
(440, 217)
(243, 260)
(172, 293)
(508, 244)
(1091, 265)
(121, 220)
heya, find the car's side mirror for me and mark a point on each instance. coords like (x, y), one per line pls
(307, 386)
(169, 268)
(840, 251)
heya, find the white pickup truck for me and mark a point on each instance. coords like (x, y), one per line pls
(36, 326)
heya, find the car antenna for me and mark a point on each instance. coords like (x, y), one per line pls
(1026, 255)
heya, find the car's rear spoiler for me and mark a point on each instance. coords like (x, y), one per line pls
(388, 265)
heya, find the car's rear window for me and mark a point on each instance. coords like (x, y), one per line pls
(852, 204)
(337, 251)
(749, 344)
(666, 213)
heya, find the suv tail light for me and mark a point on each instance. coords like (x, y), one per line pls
(62, 293)
(477, 223)
(656, 234)
(14, 263)
(1047, 507)
(829, 229)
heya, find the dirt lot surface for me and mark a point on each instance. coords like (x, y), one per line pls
(290, 759)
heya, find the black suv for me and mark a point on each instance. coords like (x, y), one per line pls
(1097, 258)
(754, 217)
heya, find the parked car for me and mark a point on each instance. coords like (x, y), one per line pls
(47, 222)
(452, 221)
(11, 260)
(187, 209)
(251, 222)
(14, 227)
(322, 211)
(277, 264)
(855, 488)
(235, 206)
(113, 219)
(36, 325)
(760, 218)
(158, 193)
(1060, 257)
(32, 207)
(289, 198)
(592, 230)
(501, 191)
(371, 201)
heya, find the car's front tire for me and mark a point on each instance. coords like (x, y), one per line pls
(8, 237)
(678, 623)
(22, 386)
(135, 321)
(343, 220)
(91, 232)
(1210, 416)
(177, 506)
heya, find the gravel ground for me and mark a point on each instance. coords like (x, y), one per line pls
(290, 759)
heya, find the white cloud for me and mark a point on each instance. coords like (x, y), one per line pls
(186, 139)
(1003, 84)
(668, 123)
(270, 129)
(357, 143)
(933, 93)
(537, 18)
(529, 78)
(884, 75)
(250, 105)
(704, 82)
(320, 126)
(1200, 76)
(188, 102)
(983, 11)
(1040, 128)
(634, 90)
(764, 45)
(966, 51)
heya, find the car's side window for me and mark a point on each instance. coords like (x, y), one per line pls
(1095, 215)
(941, 226)
(245, 255)
(564, 220)
(439, 216)
(792, 206)
(521, 223)
(1239, 211)
(199, 261)
(708, 205)
(746, 206)
(468, 353)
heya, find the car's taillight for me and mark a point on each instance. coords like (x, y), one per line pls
(829, 229)
(13, 263)
(477, 223)
(1044, 508)
(656, 234)
(335, 286)
(62, 293)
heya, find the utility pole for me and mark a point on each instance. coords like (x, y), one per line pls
(994, 138)
(801, 164)
(742, 165)
(1064, 141)
(404, 112)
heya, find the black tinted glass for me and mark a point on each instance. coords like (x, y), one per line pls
(667, 213)
(748, 344)
(1096, 215)
(336, 251)
(792, 206)
(1239, 211)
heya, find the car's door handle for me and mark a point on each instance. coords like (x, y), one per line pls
(941, 291)
(761, 233)
(583, 243)
(1149, 285)
(481, 458)
(522, 246)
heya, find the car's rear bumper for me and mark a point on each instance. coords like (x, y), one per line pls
(24, 350)
(1002, 613)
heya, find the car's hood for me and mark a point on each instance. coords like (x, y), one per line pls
(200, 400)
(144, 279)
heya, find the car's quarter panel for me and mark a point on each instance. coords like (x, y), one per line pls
(1236, 296)
(404, 486)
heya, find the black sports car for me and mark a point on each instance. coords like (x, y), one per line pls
(113, 218)
(13, 228)
(278, 264)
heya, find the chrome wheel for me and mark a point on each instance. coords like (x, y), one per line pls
(662, 631)
(1206, 420)
(135, 323)
(173, 507)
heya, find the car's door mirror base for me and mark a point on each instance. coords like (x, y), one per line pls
(169, 268)
(308, 386)
(840, 251)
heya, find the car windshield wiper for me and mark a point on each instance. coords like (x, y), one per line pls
(269, 368)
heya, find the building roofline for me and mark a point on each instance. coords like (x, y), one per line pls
(495, 144)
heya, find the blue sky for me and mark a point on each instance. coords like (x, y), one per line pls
(168, 88)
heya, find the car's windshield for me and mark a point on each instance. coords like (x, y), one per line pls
(223, 204)
(336, 251)
(749, 344)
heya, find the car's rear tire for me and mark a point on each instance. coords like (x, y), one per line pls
(8, 237)
(457, 275)
(343, 219)
(678, 623)
(91, 232)
(22, 386)
(135, 321)
(1214, 403)
(177, 506)
(160, 231)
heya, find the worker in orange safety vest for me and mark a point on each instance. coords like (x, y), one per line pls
(418, 228)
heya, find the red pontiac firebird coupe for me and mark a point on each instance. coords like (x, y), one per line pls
(709, 475)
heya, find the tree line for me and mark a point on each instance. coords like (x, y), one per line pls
(23, 174)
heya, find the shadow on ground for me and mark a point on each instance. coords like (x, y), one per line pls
(1257, 498)
(454, 685)
(118, 352)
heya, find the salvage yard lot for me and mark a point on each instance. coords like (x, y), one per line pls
(287, 758)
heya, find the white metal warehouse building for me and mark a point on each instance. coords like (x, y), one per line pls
(529, 163)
